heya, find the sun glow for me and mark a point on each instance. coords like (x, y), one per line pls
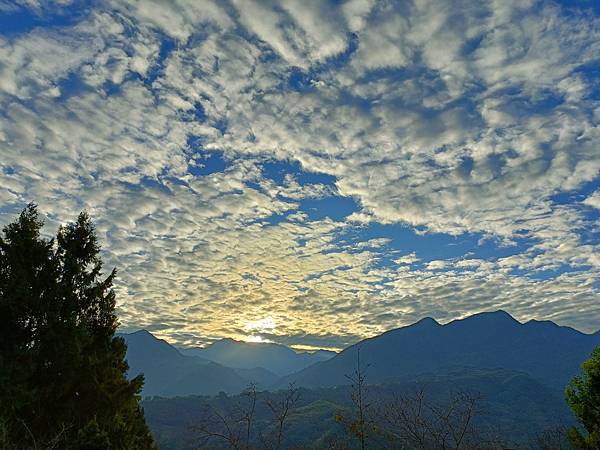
(266, 324)
(257, 339)
(255, 328)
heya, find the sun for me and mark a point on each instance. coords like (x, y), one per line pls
(266, 324)
(255, 328)
(256, 339)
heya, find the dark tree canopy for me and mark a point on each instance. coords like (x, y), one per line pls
(62, 370)
(583, 396)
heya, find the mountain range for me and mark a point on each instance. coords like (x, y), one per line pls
(276, 358)
(169, 373)
(548, 353)
(224, 366)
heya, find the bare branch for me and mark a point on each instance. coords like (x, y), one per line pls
(417, 422)
(281, 410)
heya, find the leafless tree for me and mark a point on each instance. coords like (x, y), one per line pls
(281, 408)
(413, 421)
(235, 428)
(360, 425)
(232, 428)
(218, 426)
(248, 413)
(402, 419)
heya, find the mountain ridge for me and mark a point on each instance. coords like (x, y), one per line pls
(169, 373)
(549, 353)
(277, 358)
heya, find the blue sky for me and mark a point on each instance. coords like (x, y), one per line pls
(312, 173)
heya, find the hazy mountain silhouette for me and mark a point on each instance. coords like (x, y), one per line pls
(549, 353)
(276, 358)
(169, 373)
(262, 377)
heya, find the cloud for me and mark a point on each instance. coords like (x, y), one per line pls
(593, 200)
(178, 19)
(300, 33)
(473, 121)
(407, 259)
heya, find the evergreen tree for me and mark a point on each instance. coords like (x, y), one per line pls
(583, 396)
(62, 371)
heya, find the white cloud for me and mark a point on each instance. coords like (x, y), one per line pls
(178, 19)
(302, 33)
(593, 200)
(408, 259)
(480, 120)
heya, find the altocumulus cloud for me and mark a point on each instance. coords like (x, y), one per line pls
(329, 169)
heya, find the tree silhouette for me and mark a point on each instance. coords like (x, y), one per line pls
(583, 396)
(359, 426)
(62, 371)
(237, 426)
(357, 423)
(412, 420)
(232, 428)
(282, 407)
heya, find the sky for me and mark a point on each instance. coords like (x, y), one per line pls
(313, 172)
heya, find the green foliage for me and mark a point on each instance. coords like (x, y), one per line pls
(62, 371)
(583, 396)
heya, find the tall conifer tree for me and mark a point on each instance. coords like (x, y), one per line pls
(62, 370)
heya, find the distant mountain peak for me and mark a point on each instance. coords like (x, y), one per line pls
(548, 323)
(488, 340)
(140, 333)
(277, 358)
(500, 313)
(230, 342)
(224, 341)
(497, 316)
(427, 321)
